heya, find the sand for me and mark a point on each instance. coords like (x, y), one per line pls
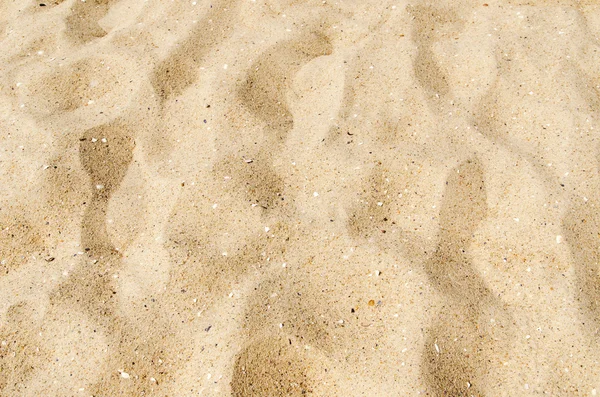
(299, 198)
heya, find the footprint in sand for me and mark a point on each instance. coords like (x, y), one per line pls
(459, 346)
(83, 21)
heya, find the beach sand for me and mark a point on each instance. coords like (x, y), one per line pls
(299, 198)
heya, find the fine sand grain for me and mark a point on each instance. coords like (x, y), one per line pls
(257, 198)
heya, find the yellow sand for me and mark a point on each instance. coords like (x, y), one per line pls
(299, 198)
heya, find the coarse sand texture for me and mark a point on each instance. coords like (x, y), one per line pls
(270, 198)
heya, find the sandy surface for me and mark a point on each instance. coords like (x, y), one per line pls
(299, 198)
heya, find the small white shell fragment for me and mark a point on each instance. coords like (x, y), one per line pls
(124, 375)
(267, 228)
(437, 348)
(315, 194)
(558, 239)
(99, 187)
(94, 140)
